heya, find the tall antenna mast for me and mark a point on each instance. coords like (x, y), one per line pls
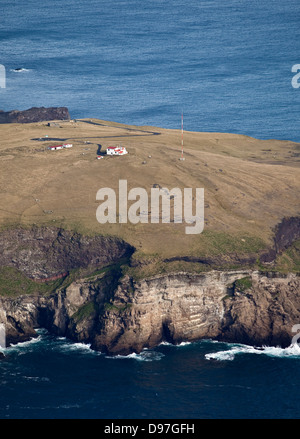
(182, 158)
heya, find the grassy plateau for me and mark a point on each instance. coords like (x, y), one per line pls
(249, 186)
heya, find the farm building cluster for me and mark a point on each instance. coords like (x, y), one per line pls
(116, 150)
(110, 150)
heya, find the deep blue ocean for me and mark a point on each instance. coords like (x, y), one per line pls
(225, 64)
(52, 377)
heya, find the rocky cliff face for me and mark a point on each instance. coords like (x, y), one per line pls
(119, 316)
(240, 306)
(44, 253)
(285, 233)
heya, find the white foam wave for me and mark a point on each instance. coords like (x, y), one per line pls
(68, 347)
(76, 346)
(183, 343)
(36, 379)
(22, 344)
(63, 345)
(292, 351)
(143, 356)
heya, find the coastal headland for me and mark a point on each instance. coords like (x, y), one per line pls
(122, 286)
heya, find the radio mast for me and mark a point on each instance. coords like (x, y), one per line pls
(182, 158)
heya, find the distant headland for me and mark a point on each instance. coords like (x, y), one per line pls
(34, 114)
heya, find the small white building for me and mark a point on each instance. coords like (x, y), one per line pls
(64, 145)
(55, 147)
(116, 150)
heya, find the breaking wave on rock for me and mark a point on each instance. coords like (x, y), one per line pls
(292, 351)
(145, 355)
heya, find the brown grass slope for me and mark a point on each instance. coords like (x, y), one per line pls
(249, 184)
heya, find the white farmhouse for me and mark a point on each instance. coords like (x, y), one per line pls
(64, 145)
(55, 147)
(116, 150)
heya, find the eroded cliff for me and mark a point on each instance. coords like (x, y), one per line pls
(239, 306)
(82, 290)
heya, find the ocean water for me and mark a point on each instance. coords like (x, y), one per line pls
(53, 378)
(227, 66)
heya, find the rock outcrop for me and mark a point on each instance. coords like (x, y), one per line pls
(285, 233)
(45, 253)
(34, 114)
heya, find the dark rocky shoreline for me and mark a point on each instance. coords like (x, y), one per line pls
(34, 114)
